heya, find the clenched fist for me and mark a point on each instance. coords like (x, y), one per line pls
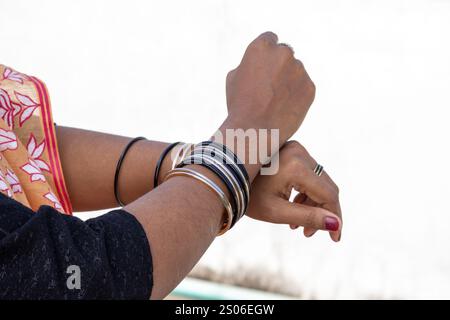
(270, 88)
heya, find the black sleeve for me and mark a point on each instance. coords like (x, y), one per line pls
(41, 253)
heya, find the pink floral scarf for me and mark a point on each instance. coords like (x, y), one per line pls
(30, 168)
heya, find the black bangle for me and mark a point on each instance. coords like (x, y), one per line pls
(237, 162)
(160, 161)
(119, 165)
(225, 150)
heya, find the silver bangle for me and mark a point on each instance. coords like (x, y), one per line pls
(229, 161)
(237, 194)
(211, 185)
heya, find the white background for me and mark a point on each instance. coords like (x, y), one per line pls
(379, 124)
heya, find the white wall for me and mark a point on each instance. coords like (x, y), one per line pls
(379, 124)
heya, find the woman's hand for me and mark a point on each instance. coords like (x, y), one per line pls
(316, 207)
(269, 89)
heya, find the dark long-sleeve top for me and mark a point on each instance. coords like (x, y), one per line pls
(49, 255)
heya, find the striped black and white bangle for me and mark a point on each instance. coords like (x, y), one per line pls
(227, 166)
(234, 164)
(216, 166)
(228, 152)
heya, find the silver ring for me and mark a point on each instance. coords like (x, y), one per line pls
(318, 170)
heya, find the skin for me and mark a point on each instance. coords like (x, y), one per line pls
(269, 89)
(89, 162)
(317, 200)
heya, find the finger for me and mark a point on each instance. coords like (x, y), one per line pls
(230, 75)
(321, 190)
(328, 178)
(268, 37)
(303, 199)
(309, 232)
(286, 52)
(306, 216)
(337, 206)
(317, 189)
(299, 198)
(287, 46)
(332, 190)
(301, 66)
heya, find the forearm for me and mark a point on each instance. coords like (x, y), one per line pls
(89, 161)
(181, 219)
(179, 228)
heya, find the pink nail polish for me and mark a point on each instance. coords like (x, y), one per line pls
(331, 224)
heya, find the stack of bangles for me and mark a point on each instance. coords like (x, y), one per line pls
(218, 159)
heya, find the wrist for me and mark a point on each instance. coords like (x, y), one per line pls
(252, 143)
(219, 217)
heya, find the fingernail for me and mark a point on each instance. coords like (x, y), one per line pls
(331, 224)
(310, 235)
